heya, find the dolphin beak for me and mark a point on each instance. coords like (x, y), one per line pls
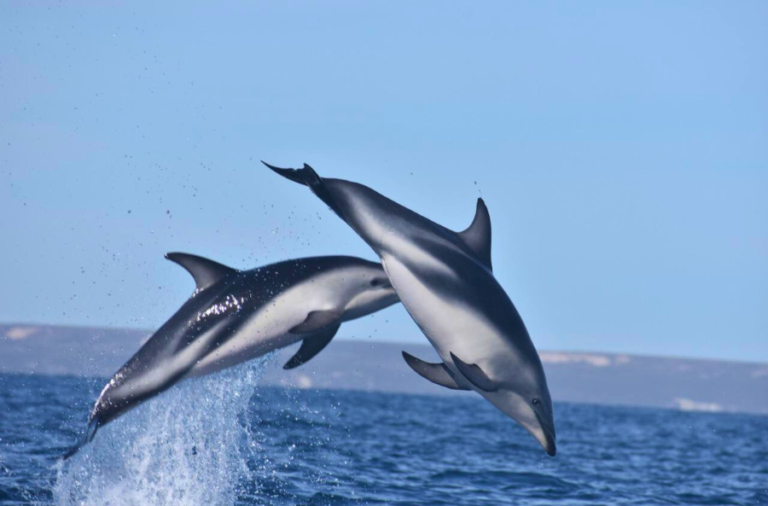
(549, 445)
(546, 438)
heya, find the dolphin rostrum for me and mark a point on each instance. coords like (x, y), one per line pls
(234, 316)
(445, 281)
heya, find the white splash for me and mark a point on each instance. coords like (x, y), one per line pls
(188, 446)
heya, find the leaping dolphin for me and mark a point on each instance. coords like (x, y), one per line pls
(445, 281)
(234, 316)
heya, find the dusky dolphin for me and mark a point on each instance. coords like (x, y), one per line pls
(445, 281)
(234, 316)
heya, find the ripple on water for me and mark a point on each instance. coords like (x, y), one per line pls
(221, 440)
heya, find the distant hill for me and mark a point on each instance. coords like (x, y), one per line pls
(600, 378)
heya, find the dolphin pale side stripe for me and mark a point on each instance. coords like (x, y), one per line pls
(234, 316)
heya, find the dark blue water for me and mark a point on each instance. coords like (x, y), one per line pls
(224, 440)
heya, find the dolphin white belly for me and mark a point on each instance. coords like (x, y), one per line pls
(449, 325)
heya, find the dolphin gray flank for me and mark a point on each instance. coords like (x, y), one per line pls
(445, 281)
(234, 316)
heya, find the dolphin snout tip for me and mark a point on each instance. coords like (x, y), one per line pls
(545, 435)
(548, 443)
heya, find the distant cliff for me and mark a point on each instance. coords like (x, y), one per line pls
(600, 378)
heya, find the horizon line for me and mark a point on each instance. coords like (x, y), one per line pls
(380, 341)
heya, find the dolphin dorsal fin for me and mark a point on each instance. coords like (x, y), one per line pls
(478, 235)
(206, 272)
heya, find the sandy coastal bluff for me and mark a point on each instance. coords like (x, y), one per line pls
(362, 364)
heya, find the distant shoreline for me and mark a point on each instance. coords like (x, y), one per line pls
(96, 328)
(684, 384)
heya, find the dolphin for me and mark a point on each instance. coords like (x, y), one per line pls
(234, 316)
(445, 281)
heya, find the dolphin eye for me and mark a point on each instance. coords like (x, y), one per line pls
(375, 282)
(535, 401)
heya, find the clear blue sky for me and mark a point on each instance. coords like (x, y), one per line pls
(622, 149)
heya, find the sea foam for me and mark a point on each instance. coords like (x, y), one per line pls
(187, 446)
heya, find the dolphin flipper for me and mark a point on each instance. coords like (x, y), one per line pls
(316, 320)
(478, 235)
(206, 272)
(436, 373)
(311, 346)
(474, 375)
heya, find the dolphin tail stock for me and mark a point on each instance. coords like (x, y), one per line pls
(90, 432)
(305, 176)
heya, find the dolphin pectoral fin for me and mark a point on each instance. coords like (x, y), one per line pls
(474, 375)
(315, 321)
(311, 346)
(478, 235)
(205, 272)
(306, 175)
(436, 373)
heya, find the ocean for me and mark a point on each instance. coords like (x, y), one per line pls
(225, 440)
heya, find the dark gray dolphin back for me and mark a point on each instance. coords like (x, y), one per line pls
(475, 240)
(225, 302)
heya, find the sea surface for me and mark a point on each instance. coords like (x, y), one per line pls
(225, 440)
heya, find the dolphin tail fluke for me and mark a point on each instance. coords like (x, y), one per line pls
(306, 175)
(93, 426)
(74, 449)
